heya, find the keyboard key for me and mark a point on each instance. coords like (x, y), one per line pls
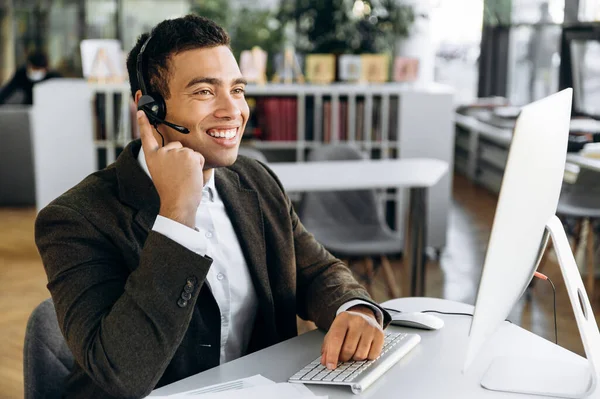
(310, 375)
(320, 376)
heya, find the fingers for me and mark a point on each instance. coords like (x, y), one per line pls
(350, 345)
(149, 142)
(376, 345)
(363, 346)
(173, 145)
(352, 336)
(333, 344)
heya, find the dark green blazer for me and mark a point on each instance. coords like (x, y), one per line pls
(117, 285)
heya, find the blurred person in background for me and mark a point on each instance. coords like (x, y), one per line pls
(34, 71)
(540, 53)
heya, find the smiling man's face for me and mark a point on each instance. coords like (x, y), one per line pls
(207, 96)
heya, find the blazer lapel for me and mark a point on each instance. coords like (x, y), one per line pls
(243, 208)
(136, 188)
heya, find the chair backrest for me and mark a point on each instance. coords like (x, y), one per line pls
(47, 360)
(252, 153)
(17, 178)
(358, 208)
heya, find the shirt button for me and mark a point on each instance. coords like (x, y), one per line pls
(223, 319)
(220, 276)
(208, 234)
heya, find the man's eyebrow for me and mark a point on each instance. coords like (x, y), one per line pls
(214, 81)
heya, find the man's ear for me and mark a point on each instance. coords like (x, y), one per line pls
(138, 95)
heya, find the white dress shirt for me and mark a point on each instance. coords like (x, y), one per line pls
(228, 277)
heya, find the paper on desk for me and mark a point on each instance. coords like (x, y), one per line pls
(243, 383)
(254, 387)
(271, 391)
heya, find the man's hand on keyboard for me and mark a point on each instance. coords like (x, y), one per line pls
(354, 334)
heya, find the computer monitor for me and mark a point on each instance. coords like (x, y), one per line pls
(525, 215)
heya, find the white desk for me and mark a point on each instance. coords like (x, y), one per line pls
(416, 174)
(431, 370)
(584, 162)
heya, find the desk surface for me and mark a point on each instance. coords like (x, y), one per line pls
(431, 370)
(360, 174)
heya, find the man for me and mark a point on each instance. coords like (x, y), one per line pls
(180, 256)
(36, 70)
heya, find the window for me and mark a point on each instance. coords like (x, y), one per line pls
(533, 62)
(458, 45)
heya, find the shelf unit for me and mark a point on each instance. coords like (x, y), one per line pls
(481, 151)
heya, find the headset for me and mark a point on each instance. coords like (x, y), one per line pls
(153, 104)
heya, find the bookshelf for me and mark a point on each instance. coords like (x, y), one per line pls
(386, 121)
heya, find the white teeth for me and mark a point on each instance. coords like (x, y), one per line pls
(228, 134)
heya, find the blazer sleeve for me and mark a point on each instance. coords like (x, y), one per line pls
(123, 328)
(324, 283)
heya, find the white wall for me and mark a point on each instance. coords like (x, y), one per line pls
(420, 42)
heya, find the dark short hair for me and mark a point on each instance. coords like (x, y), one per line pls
(38, 59)
(170, 37)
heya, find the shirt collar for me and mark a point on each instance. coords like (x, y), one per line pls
(208, 192)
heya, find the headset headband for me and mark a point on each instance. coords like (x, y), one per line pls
(139, 65)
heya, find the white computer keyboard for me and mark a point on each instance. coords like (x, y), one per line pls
(359, 375)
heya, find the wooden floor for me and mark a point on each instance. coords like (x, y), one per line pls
(456, 277)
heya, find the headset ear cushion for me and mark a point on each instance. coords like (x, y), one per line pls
(153, 105)
(162, 106)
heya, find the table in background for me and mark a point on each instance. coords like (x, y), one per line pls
(417, 174)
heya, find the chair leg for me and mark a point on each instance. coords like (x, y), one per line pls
(591, 277)
(390, 279)
(576, 237)
(370, 274)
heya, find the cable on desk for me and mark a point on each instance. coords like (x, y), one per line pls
(434, 311)
(544, 277)
(440, 312)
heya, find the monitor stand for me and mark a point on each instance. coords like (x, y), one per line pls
(546, 377)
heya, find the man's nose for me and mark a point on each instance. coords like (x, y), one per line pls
(228, 108)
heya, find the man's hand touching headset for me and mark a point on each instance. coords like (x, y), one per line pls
(176, 173)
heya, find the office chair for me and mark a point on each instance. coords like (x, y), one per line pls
(47, 360)
(350, 224)
(581, 201)
(17, 176)
(251, 152)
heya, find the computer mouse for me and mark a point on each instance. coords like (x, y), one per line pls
(420, 320)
